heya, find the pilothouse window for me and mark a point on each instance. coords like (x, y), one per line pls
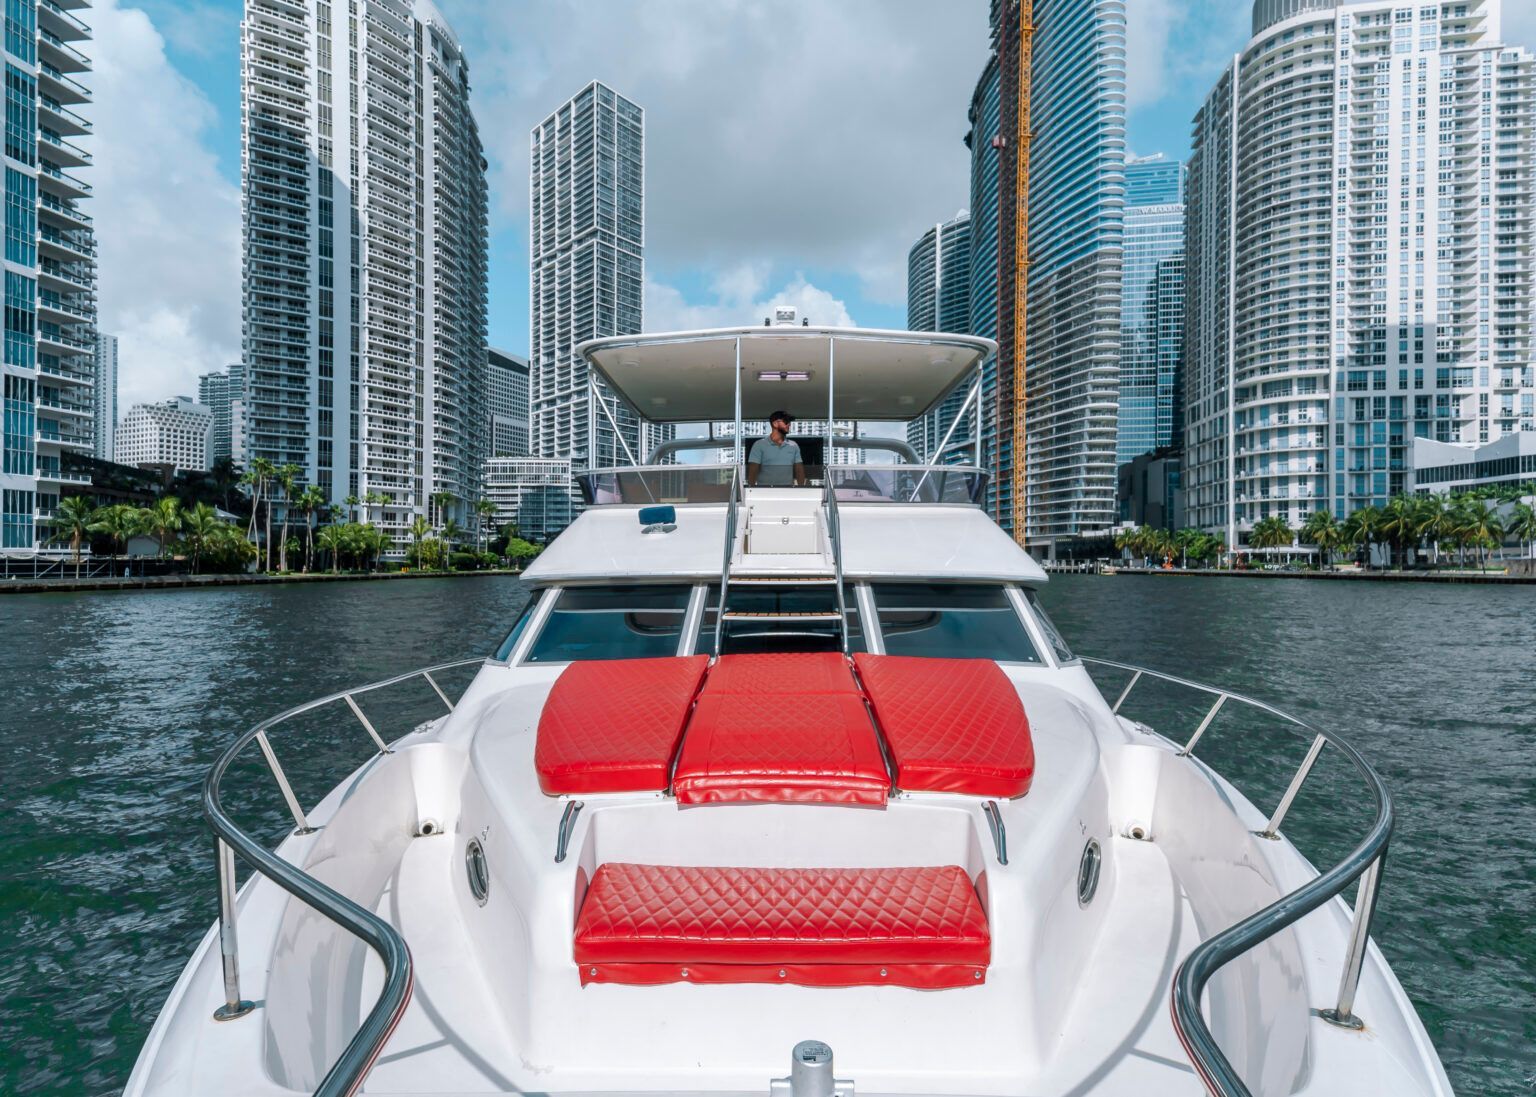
(630, 622)
(952, 621)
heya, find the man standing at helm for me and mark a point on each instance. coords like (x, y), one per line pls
(776, 458)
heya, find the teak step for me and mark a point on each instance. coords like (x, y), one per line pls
(824, 927)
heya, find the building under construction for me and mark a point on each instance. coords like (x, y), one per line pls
(1047, 143)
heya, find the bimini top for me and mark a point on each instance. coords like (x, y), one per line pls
(690, 376)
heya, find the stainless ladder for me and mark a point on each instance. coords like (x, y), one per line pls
(781, 583)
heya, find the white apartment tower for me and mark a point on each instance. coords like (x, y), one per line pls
(172, 432)
(1359, 249)
(106, 396)
(587, 253)
(47, 371)
(365, 253)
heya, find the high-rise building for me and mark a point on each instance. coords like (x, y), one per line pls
(105, 386)
(1151, 306)
(365, 254)
(1047, 170)
(47, 371)
(1359, 255)
(222, 392)
(532, 493)
(939, 299)
(587, 257)
(171, 432)
(1076, 204)
(508, 376)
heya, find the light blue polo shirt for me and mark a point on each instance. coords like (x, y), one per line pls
(777, 462)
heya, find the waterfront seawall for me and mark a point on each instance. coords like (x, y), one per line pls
(176, 582)
(1343, 576)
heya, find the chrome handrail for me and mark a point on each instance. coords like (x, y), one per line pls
(1364, 863)
(346, 1075)
(730, 550)
(835, 536)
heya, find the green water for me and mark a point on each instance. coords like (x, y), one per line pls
(115, 704)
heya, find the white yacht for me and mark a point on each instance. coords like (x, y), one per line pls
(788, 790)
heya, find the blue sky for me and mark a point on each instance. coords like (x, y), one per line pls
(795, 148)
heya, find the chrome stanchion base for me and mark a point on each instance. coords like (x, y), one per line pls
(228, 1012)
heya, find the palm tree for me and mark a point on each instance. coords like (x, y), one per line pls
(452, 532)
(163, 519)
(351, 502)
(287, 478)
(1323, 530)
(203, 527)
(485, 510)
(370, 500)
(332, 539)
(310, 500)
(1271, 532)
(1360, 530)
(1435, 521)
(74, 521)
(440, 501)
(419, 529)
(1484, 529)
(1522, 525)
(118, 523)
(260, 477)
(1399, 524)
(374, 542)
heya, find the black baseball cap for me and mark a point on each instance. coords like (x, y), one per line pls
(784, 415)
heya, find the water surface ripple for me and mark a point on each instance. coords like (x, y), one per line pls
(116, 704)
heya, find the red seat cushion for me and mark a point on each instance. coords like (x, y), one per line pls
(612, 725)
(919, 927)
(781, 727)
(952, 725)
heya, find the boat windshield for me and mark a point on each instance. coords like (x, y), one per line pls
(853, 484)
(940, 620)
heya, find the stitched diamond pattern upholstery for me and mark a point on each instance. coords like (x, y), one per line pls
(952, 725)
(612, 725)
(781, 727)
(829, 927)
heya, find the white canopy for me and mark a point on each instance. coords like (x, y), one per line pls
(690, 376)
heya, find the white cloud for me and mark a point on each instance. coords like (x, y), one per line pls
(737, 297)
(1520, 23)
(791, 134)
(167, 223)
(1148, 24)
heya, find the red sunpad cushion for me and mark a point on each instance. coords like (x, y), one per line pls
(952, 725)
(842, 927)
(612, 725)
(781, 727)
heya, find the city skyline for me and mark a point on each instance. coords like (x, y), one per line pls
(182, 60)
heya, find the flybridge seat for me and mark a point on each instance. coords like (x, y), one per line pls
(784, 727)
(911, 927)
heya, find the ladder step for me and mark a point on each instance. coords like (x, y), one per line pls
(784, 580)
(738, 615)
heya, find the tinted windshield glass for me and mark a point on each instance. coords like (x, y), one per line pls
(612, 623)
(781, 619)
(504, 652)
(955, 622)
(1052, 633)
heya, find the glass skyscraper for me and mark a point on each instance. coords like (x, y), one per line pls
(1076, 231)
(939, 299)
(365, 253)
(47, 373)
(1152, 305)
(587, 279)
(508, 403)
(1359, 255)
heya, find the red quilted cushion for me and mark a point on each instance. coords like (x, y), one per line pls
(952, 725)
(781, 727)
(612, 725)
(828, 927)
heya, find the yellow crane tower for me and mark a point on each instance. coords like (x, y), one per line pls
(1026, 33)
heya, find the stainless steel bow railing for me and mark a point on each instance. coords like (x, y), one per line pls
(1364, 863)
(351, 1067)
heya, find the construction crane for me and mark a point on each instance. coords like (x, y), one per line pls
(1015, 52)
